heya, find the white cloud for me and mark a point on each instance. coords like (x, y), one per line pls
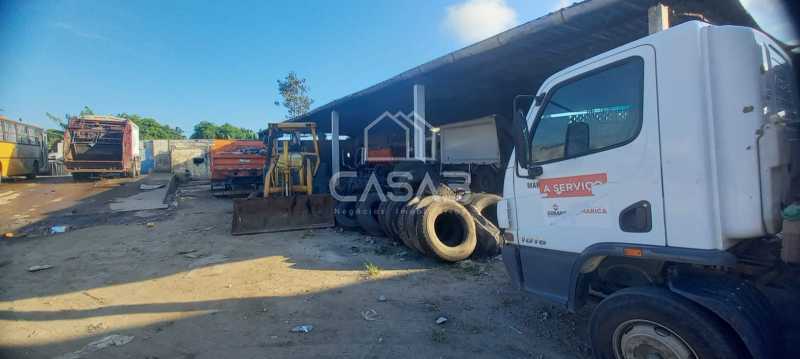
(475, 20)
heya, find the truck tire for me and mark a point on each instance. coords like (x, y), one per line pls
(481, 201)
(413, 223)
(489, 240)
(448, 229)
(389, 219)
(382, 220)
(402, 224)
(345, 215)
(653, 321)
(367, 214)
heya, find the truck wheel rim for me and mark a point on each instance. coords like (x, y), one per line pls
(641, 338)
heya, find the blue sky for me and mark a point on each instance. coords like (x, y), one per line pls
(182, 62)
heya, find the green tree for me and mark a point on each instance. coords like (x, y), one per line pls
(209, 130)
(86, 111)
(53, 138)
(151, 129)
(295, 93)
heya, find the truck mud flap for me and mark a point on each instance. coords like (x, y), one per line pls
(277, 214)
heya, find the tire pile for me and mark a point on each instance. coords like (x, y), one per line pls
(441, 225)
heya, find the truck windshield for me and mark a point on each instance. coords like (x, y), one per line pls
(590, 113)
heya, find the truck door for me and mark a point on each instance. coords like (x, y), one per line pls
(595, 136)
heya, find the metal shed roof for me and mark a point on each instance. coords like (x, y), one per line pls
(483, 78)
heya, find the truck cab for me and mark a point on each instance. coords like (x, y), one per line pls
(643, 176)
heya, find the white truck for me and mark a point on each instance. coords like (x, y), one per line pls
(652, 177)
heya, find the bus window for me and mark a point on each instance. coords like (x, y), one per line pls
(10, 132)
(22, 136)
(32, 138)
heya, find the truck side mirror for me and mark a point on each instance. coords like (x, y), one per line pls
(520, 132)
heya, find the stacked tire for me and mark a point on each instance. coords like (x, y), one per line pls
(440, 224)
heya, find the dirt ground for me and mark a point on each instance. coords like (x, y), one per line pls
(183, 287)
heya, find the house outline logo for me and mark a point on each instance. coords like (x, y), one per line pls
(406, 123)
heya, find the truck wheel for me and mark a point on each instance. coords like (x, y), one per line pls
(413, 223)
(448, 230)
(367, 214)
(346, 215)
(652, 322)
(35, 171)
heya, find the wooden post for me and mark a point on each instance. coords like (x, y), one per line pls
(657, 18)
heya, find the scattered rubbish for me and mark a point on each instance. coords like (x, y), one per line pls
(187, 251)
(148, 187)
(193, 255)
(380, 339)
(39, 267)
(369, 315)
(114, 340)
(58, 229)
(8, 235)
(306, 328)
(212, 259)
(441, 320)
(150, 224)
(381, 298)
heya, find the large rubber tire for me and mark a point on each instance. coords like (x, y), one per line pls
(367, 214)
(412, 224)
(489, 239)
(402, 220)
(345, 215)
(382, 219)
(389, 219)
(636, 312)
(396, 224)
(448, 230)
(481, 201)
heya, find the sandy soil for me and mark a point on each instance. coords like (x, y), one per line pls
(184, 288)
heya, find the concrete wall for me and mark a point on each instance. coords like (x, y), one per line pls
(183, 154)
(176, 156)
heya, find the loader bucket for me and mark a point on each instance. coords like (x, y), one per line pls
(276, 214)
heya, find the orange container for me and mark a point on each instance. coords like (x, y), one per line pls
(236, 160)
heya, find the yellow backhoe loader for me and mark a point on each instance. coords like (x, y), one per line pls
(288, 202)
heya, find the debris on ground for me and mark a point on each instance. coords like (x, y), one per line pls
(39, 267)
(441, 320)
(58, 229)
(114, 340)
(150, 224)
(147, 187)
(306, 328)
(369, 315)
(187, 251)
(381, 298)
(8, 235)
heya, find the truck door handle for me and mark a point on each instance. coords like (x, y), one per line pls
(636, 218)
